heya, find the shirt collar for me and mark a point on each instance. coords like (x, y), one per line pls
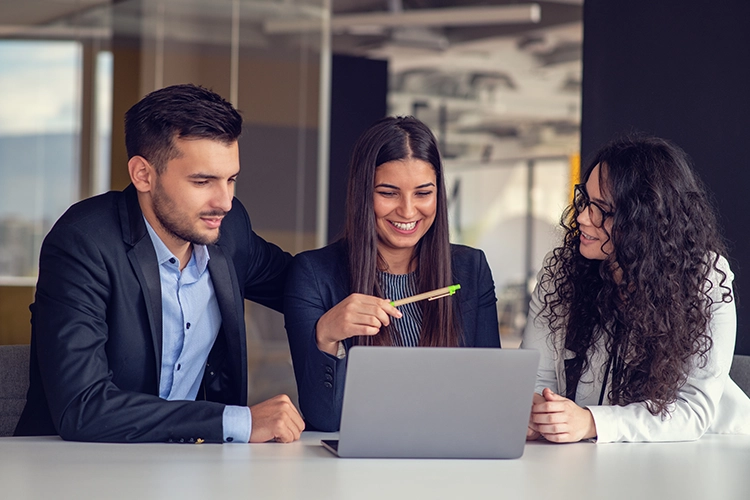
(200, 252)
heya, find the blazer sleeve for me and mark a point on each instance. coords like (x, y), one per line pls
(488, 331)
(320, 376)
(262, 266)
(536, 336)
(71, 332)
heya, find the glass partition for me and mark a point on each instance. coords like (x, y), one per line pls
(69, 71)
(40, 125)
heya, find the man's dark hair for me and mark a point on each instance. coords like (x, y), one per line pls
(185, 111)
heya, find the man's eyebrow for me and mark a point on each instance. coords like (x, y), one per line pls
(200, 175)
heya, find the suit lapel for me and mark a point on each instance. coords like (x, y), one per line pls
(231, 307)
(142, 257)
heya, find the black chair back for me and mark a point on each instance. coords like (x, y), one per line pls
(740, 372)
(14, 382)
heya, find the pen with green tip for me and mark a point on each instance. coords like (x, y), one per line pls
(435, 294)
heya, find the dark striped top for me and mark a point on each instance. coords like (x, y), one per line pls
(400, 286)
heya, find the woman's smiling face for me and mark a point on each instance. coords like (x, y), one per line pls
(595, 242)
(405, 202)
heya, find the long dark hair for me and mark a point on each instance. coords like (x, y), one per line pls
(391, 139)
(656, 314)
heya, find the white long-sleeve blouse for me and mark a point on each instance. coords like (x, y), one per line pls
(709, 401)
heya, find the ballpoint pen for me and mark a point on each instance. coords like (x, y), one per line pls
(435, 294)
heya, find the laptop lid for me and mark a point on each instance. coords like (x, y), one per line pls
(405, 402)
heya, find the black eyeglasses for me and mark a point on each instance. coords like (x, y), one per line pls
(597, 215)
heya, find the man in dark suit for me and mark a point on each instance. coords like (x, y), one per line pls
(137, 326)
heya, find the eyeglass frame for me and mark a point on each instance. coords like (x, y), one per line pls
(587, 202)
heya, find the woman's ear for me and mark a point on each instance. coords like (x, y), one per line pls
(141, 173)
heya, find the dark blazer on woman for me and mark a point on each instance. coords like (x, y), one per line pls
(319, 279)
(96, 341)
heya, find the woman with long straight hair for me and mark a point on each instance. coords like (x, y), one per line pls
(395, 245)
(634, 314)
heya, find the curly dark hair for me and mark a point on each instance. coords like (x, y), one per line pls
(649, 298)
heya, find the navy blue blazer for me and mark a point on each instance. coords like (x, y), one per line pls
(96, 340)
(319, 279)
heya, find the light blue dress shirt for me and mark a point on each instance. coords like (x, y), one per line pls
(190, 324)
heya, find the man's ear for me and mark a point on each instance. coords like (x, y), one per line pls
(141, 173)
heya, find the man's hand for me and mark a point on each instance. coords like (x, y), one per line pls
(532, 432)
(276, 419)
(560, 420)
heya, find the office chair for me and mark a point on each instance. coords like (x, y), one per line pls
(14, 382)
(740, 372)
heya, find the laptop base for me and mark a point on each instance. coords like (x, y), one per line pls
(331, 445)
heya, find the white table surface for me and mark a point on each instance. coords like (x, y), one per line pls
(713, 468)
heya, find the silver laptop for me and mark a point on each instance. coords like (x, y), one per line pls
(406, 402)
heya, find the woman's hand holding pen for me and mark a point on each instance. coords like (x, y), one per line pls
(356, 315)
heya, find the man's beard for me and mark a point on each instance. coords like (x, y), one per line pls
(178, 224)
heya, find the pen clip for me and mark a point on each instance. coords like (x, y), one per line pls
(446, 294)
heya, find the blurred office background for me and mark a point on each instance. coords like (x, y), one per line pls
(498, 81)
(500, 87)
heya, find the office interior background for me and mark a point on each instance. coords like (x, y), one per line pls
(504, 84)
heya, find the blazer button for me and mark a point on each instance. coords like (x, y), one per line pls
(328, 385)
(182, 440)
(329, 369)
(329, 377)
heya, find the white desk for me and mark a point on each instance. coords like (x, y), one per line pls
(713, 468)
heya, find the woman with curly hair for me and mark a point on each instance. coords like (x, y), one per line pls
(634, 314)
